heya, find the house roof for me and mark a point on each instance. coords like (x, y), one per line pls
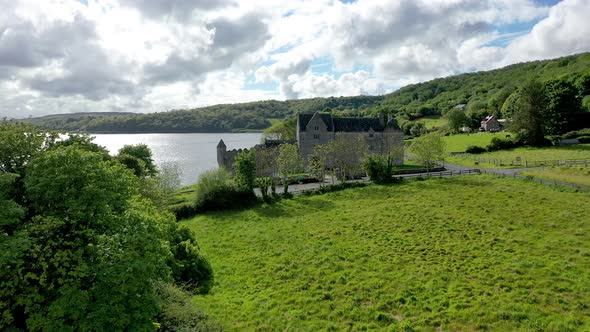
(487, 119)
(304, 119)
(345, 124)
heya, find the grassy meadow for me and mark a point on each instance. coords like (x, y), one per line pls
(453, 254)
(459, 142)
(569, 174)
(434, 121)
(578, 151)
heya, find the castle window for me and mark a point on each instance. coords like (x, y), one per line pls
(316, 136)
(371, 135)
(317, 128)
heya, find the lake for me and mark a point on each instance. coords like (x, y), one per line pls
(194, 153)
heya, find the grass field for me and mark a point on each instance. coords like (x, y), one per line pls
(571, 174)
(579, 151)
(433, 121)
(459, 142)
(452, 254)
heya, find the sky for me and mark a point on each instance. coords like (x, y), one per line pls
(63, 56)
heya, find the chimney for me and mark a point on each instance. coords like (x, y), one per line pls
(382, 119)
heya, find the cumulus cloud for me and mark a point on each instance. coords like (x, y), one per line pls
(179, 9)
(63, 55)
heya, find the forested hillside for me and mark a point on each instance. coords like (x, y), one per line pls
(486, 90)
(482, 92)
(217, 118)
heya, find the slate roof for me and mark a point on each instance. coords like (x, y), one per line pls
(356, 124)
(343, 124)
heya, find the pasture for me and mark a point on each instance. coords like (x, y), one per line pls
(466, 253)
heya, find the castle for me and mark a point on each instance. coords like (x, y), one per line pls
(313, 129)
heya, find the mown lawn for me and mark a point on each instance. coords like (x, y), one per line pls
(568, 174)
(578, 151)
(454, 254)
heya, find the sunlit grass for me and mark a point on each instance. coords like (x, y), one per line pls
(435, 121)
(528, 154)
(459, 142)
(455, 254)
(568, 174)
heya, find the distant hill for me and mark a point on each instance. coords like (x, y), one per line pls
(253, 116)
(486, 89)
(480, 90)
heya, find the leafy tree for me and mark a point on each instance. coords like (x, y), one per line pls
(289, 162)
(83, 141)
(510, 105)
(282, 130)
(20, 143)
(88, 253)
(138, 158)
(245, 168)
(345, 153)
(562, 98)
(266, 169)
(528, 119)
(457, 119)
(318, 163)
(428, 150)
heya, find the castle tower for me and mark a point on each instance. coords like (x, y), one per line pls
(221, 150)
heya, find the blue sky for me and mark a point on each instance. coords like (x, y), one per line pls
(59, 56)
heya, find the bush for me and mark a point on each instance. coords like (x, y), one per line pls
(215, 192)
(178, 313)
(378, 169)
(501, 144)
(576, 133)
(183, 210)
(473, 149)
(584, 139)
(188, 266)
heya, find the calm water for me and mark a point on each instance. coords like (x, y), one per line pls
(194, 153)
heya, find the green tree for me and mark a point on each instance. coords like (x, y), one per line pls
(88, 253)
(457, 119)
(562, 98)
(510, 105)
(428, 150)
(282, 130)
(289, 162)
(245, 168)
(138, 158)
(345, 154)
(528, 119)
(318, 163)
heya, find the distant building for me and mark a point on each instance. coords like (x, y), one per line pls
(321, 128)
(460, 107)
(490, 123)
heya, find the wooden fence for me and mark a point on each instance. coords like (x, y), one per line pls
(528, 163)
(441, 174)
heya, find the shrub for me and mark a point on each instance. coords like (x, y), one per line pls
(245, 167)
(500, 144)
(378, 169)
(188, 266)
(473, 149)
(584, 139)
(178, 313)
(183, 210)
(215, 192)
(576, 133)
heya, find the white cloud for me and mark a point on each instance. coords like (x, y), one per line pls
(61, 55)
